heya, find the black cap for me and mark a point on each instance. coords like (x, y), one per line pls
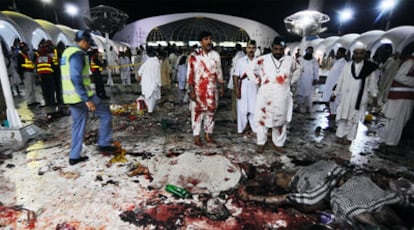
(84, 35)
(203, 34)
(279, 41)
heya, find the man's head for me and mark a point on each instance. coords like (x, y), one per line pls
(251, 48)
(359, 52)
(23, 47)
(84, 39)
(308, 53)
(206, 41)
(278, 47)
(340, 53)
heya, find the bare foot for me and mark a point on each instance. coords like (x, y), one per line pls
(280, 149)
(197, 141)
(210, 140)
(260, 149)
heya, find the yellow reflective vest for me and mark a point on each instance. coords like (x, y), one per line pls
(70, 96)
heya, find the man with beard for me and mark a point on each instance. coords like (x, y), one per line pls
(246, 89)
(203, 74)
(274, 102)
(308, 77)
(356, 83)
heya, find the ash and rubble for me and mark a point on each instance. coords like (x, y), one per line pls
(126, 191)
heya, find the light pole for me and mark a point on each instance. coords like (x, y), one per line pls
(72, 10)
(344, 16)
(44, 3)
(49, 2)
(387, 6)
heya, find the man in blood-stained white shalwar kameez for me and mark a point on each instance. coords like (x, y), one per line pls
(246, 89)
(203, 73)
(357, 82)
(399, 107)
(274, 102)
(150, 76)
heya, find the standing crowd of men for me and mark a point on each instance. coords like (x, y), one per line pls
(265, 87)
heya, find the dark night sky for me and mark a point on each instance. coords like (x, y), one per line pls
(269, 12)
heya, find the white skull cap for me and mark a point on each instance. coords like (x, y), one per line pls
(360, 46)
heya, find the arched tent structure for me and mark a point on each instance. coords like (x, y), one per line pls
(68, 31)
(344, 41)
(291, 48)
(393, 37)
(56, 34)
(366, 38)
(99, 41)
(136, 33)
(32, 31)
(405, 43)
(326, 43)
(10, 31)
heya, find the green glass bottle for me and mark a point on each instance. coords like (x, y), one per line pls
(178, 191)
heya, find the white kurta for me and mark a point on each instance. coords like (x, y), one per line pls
(150, 73)
(246, 105)
(348, 88)
(399, 111)
(332, 78)
(125, 68)
(309, 74)
(234, 60)
(384, 83)
(274, 102)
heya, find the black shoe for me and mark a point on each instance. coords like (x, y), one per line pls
(107, 149)
(80, 159)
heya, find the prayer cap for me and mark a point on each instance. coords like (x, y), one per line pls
(360, 46)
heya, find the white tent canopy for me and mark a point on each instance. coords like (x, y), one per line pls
(10, 31)
(56, 34)
(394, 37)
(344, 42)
(33, 31)
(135, 33)
(366, 38)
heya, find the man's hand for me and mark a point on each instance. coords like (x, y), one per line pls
(238, 93)
(192, 94)
(222, 90)
(91, 106)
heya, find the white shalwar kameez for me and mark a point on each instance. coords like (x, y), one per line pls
(347, 116)
(150, 73)
(309, 74)
(399, 106)
(112, 64)
(331, 81)
(274, 101)
(246, 104)
(125, 70)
